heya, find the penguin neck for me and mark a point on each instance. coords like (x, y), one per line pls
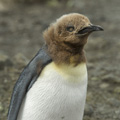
(62, 53)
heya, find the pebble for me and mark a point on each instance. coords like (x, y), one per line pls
(20, 59)
(88, 110)
(4, 61)
(111, 78)
(104, 85)
(94, 78)
(1, 107)
(117, 90)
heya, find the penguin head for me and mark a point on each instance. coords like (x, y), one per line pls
(71, 29)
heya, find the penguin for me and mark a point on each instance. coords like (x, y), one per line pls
(53, 86)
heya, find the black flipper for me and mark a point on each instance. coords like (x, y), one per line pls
(26, 80)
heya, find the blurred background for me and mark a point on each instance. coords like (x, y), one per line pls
(22, 23)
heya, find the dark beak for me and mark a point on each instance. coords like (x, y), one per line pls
(96, 28)
(90, 29)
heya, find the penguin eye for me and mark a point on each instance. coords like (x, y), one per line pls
(70, 28)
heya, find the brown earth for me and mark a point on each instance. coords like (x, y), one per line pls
(21, 28)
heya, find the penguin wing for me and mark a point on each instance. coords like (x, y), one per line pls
(26, 80)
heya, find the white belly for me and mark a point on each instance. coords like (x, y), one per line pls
(58, 94)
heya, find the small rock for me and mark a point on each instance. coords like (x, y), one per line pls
(20, 59)
(114, 102)
(90, 65)
(1, 107)
(4, 61)
(117, 80)
(53, 3)
(111, 78)
(89, 96)
(88, 110)
(108, 77)
(117, 112)
(2, 6)
(117, 90)
(104, 85)
(94, 78)
(86, 118)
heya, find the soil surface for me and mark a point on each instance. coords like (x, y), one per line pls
(21, 28)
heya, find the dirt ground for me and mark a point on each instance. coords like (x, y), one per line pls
(21, 28)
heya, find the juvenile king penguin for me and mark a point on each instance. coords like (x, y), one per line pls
(53, 85)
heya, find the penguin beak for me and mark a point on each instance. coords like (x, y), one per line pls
(90, 29)
(95, 28)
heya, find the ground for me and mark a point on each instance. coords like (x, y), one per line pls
(21, 28)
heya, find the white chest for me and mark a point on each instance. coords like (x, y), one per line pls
(58, 94)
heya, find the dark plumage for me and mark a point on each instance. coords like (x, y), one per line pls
(26, 80)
